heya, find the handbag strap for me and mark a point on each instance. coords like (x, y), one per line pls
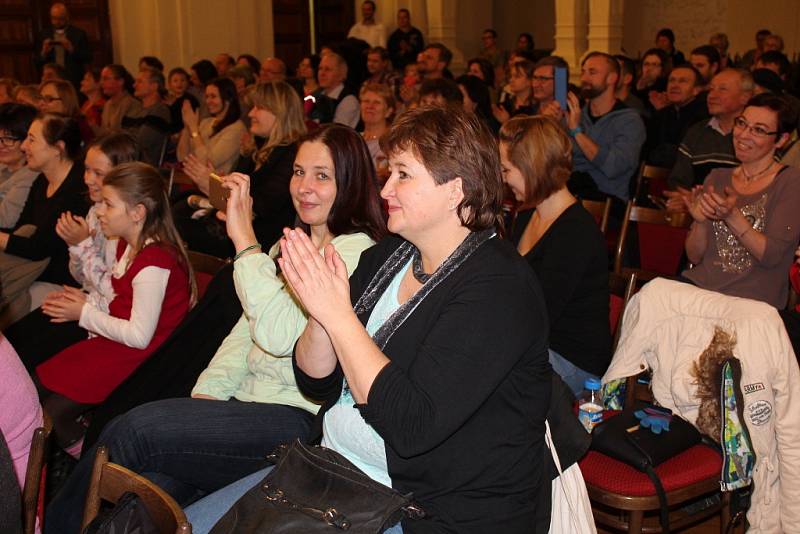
(654, 478)
(548, 438)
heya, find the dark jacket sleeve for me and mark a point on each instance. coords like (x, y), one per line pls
(272, 203)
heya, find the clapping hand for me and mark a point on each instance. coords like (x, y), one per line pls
(72, 228)
(191, 118)
(64, 306)
(321, 283)
(678, 200)
(718, 206)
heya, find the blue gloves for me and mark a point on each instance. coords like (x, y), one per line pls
(654, 418)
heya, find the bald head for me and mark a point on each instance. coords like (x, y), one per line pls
(332, 71)
(272, 70)
(59, 16)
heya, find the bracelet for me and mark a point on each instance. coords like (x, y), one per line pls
(739, 236)
(575, 131)
(245, 250)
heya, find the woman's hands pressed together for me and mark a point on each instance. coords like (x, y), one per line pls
(64, 306)
(321, 283)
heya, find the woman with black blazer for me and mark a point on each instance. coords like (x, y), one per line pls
(439, 339)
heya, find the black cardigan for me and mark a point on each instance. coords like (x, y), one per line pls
(462, 404)
(571, 263)
(43, 213)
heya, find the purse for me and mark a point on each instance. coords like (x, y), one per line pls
(316, 489)
(128, 516)
(621, 437)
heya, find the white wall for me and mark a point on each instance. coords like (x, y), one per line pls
(180, 32)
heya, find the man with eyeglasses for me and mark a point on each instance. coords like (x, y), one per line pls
(543, 79)
(709, 144)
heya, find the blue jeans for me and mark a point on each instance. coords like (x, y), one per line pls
(205, 513)
(189, 447)
(573, 376)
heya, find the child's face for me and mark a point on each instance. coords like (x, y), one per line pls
(412, 71)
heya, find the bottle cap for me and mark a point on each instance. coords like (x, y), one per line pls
(592, 384)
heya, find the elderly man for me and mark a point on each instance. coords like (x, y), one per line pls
(272, 70)
(368, 30)
(607, 135)
(151, 123)
(335, 102)
(63, 44)
(709, 144)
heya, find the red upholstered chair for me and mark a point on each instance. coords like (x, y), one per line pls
(662, 236)
(205, 267)
(624, 498)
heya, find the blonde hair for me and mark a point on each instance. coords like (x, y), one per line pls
(383, 91)
(282, 101)
(540, 149)
(707, 372)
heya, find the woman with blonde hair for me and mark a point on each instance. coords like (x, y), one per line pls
(377, 109)
(276, 116)
(563, 245)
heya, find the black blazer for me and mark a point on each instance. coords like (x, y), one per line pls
(75, 61)
(462, 404)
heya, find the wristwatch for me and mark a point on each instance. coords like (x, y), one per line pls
(575, 131)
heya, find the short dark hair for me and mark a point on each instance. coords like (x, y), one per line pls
(120, 72)
(61, 72)
(761, 34)
(255, 64)
(710, 52)
(205, 70)
(404, 10)
(57, 128)
(525, 67)
(357, 206)
(666, 61)
(445, 54)
(491, 31)
(452, 143)
(698, 79)
(381, 51)
(478, 92)
(529, 37)
(626, 66)
(552, 61)
(611, 61)
(229, 95)
(773, 57)
(668, 33)
(178, 70)
(448, 89)
(787, 117)
(370, 2)
(157, 76)
(16, 118)
(228, 58)
(487, 69)
(153, 62)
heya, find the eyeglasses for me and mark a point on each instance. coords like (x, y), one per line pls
(9, 141)
(49, 99)
(758, 131)
(542, 78)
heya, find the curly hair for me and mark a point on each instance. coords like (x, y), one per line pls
(707, 372)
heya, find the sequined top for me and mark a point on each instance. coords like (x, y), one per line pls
(728, 267)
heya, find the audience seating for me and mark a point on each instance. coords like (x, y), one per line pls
(110, 481)
(621, 495)
(651, 182)
(35, 476)
(662, 236)
(621, 289)
(205, 266)
(600, 210)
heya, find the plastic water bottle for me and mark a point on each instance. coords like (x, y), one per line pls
(590, 404)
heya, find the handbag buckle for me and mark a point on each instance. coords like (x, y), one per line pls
(273, 495)
(335, 519)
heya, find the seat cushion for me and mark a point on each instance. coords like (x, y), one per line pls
(692, 465)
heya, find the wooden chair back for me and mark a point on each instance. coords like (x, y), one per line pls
(621, 289)
(600, 209)
(33, 489)
(110, 481)
(651, 181)
(662, 236)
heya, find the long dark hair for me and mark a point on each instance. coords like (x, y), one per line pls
(357, 206)
(122, 73)
(140, 183)
(228, 94)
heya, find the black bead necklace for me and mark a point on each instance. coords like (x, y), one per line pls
(416, 269)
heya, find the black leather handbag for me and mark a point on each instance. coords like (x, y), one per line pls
(621, 438)
(315, 489)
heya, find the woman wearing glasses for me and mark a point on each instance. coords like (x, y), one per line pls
(746, 219)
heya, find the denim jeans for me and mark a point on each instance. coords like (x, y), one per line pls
(189, 447)
(573, 376)
(205, 513)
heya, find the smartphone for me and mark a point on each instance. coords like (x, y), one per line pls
(560, 82)
(217, 194)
